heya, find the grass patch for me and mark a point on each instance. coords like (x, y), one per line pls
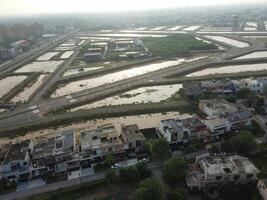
(175, 45)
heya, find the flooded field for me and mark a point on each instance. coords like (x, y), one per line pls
(229, 70)
(66, 54)
(257, 54)
(217, 29)
(255, 36)
(47, 56)
(24, 96)
(67, 44)
(152, 94)
(251, 26)
(67, 48)
(80, 70)
(77, 86)
(229, 41)
(141, 29)
(158, 28)
(143, 121)
(134, 34)
(191, 28)
(81, 43)
(8, 83)
(46, 66)
(175, 28)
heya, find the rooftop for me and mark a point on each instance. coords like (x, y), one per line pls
(132, 132)
(17, 151)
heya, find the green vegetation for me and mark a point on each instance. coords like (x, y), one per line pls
(150, 189)
(134, 173)
(160, 148)
(7, 186)
(174, 170)
(260, 160)
(176, 194)
(109, 160)
(110, 176)
(176, 45)
(242, 143)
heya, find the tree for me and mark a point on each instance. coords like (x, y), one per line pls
(149, 189)
(176, 194)
(160, 148)
(128, 174)
(109, 160)
(174, 170)
(110, 176)
(243, 143)
(143, 171)
(243, 93)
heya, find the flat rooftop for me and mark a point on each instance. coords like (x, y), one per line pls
(132, 132)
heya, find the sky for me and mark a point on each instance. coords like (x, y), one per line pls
(14, 7)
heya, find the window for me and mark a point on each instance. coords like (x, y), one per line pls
(249, 176)
(138, 143)
(218, 178)
(94, 137)
(236, 177)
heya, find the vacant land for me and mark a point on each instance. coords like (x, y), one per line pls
(175, 45)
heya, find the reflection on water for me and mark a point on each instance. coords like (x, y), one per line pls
(77, 86)
(229, 41)
(152, 94)
(46, 66)
(257, 54)
(24, 96)
(229, 70)
(8, 83)
(80, 70)
(47, 56)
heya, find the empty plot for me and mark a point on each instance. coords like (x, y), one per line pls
(229, 70)
(228, 41)
(8, 83)
(46, 66)
(47, 56)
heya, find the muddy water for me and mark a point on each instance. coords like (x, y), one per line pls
(229, 70)
(257, 54)
(46, 67)
(229, 41)
(47, 56)
(77, 86)
(78, 71)
(8, 83)
(24, 96)
(66, 54)
(141, 95)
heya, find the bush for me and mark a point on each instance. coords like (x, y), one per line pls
(160, 148)
(129, 174)
(110, 176)
(149, 189)
(176, 194)
(174, 170)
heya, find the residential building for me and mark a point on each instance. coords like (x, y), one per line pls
(174, 131)
(214, 171)
(15, 165)
(134, 139)
(105, 139)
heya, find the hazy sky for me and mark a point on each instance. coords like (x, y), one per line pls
(8, 7)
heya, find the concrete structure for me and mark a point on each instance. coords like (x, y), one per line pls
(174, 131)
(134, 139)
(215, 171)
(92, 57)
(223, 117)
(97, 143)
(15, 165)
(261, 185)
